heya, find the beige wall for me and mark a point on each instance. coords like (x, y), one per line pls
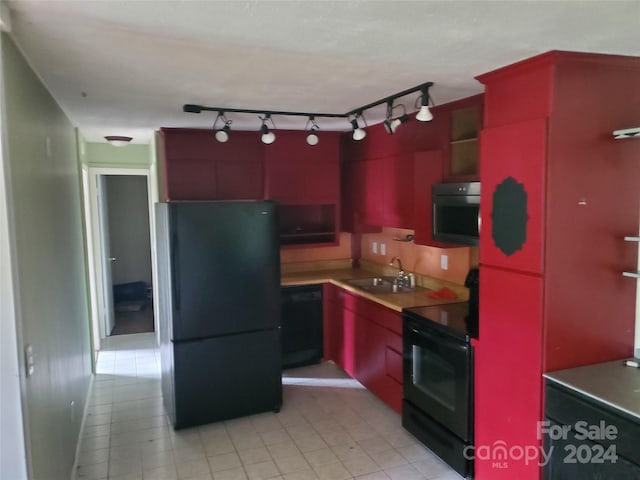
(105, 155)
(51, 287)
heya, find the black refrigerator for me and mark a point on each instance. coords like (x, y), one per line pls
(219, 309)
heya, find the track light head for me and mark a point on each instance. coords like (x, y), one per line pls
(396, 122)
(424, 114)
(222, 134)
(312, 138)
(391, 124)
(312, 127)
(267, 137)
(358, 133)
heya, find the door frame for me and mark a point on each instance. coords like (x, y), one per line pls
(96, 257)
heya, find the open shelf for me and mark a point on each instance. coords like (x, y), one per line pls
(308, 224)
(464, 142)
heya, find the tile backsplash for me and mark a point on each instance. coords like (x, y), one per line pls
(418, 258)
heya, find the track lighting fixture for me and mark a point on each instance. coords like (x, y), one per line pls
(268, 137)
(358, 133)
(222, 134)
(391, 124)
(312, 136)
(424, 114)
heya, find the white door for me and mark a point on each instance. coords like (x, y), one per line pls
(106, 258)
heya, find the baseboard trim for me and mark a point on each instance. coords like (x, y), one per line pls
(74, 468)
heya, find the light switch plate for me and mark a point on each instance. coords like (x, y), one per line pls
(444, 262)
(383, 249)
(374, 247)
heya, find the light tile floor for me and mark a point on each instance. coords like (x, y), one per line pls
(329, 428)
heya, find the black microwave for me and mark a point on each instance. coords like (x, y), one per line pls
(456, 213)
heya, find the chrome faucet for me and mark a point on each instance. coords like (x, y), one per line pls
(400, 269)
(403, 280)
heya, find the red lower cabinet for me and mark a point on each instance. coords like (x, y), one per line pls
(363, 338)
(508, 376)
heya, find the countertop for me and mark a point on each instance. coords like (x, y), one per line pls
(611, 383)
(394, 301)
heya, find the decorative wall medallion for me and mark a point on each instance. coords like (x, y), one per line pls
(509, 216)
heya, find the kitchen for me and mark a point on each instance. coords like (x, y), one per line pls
(434, 151)
(386, 237)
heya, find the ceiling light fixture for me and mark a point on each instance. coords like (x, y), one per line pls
(358, 133)
(118, 140)
(268, 137)
(424, 114)
(312, 136)
(391, 124)
(222, 134)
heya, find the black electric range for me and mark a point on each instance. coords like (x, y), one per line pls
(437, 406)
(450, 318)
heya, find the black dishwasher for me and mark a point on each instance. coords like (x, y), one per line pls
(301, 325)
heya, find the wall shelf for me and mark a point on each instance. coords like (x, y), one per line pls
(631, 274)
(627, 133)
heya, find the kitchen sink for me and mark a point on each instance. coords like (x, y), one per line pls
(378, 285)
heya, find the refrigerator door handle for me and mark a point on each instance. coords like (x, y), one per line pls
(175, 268)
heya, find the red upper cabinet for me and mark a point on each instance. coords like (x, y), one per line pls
(381, 174)
(298, 173)
(397, 191)
(513, 193)
(380, 192)
(197, 167)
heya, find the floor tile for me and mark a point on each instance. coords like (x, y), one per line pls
(262, 471)
(329, 428)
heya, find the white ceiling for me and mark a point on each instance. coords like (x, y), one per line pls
(127, 67)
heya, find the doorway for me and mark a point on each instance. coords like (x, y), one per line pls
(129, 249)
(120, 239)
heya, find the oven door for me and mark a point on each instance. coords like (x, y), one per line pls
(437, 376)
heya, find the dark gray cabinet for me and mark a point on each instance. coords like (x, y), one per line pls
(588, 439)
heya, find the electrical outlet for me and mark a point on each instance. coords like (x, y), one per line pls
(374, 247)
(444, 262)
(29, 360)
(383, 249)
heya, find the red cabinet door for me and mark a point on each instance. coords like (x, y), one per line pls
(190, 179)
(512, 203)
(397, 191)
(297, 173)
(427, 170)
(190, 167)
(373, 176)
(333, 336)
(508, 373)
(199, 168)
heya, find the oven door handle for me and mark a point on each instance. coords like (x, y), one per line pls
(441, 339)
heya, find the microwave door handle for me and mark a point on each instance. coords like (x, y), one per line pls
(440, 339)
